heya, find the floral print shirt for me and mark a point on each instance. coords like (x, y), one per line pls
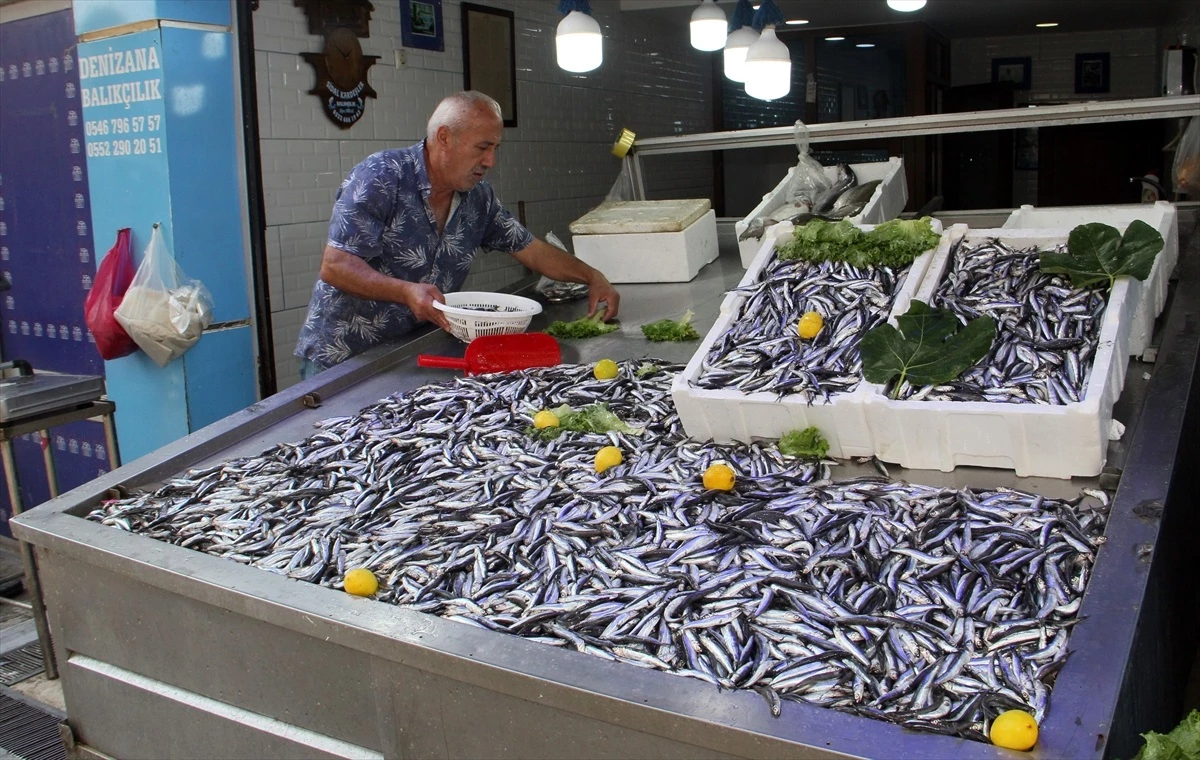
(382, 214)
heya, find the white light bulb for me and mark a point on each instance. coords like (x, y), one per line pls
(708, 26)
(906, 6)
(736, 45)
(768, 67)
(578, 42)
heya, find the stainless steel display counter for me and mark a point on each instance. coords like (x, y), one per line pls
(167, 652)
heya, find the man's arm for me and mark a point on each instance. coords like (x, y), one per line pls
(353, 275)
(557, 264)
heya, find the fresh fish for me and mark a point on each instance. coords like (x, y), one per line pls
(1047, 331)
(853, 201)
(844, 179)
(932, 608)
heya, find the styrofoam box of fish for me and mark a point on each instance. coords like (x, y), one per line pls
(1162, 216)
(1057, 441)
(726, 415)
(764, 256)
(886, 203)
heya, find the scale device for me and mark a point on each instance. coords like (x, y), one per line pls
(26, 394)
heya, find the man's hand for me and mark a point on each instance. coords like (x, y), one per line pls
(420, 298)
(557, 264)
(601, 290)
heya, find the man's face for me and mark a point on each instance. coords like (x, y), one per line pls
(472, 150)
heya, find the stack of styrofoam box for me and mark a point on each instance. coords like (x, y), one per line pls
(886, 203)
(728, 415)
(1162, 216)
(1058, 441)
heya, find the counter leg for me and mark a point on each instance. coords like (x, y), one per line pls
(110, 437)
(48, 457)
(30, 564)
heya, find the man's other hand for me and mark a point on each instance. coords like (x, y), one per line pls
(421, 297)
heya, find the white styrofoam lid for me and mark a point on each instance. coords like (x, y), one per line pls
(621, 217)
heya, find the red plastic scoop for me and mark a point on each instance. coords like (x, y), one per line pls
(501, 353)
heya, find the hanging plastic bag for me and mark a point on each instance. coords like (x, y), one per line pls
(809, 182)
(623, 189)
(1187, 160)
(164, 310)
(108, 290)
(559, 291)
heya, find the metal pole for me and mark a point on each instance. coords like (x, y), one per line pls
(48, 457)
(30, 564)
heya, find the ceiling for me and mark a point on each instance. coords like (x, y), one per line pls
(953, 18)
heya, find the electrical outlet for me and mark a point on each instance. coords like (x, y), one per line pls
(401, 58)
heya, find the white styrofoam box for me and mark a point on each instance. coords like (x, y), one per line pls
(1162, 216)
(730, 415)
(651, 256)
(765, 255)
(886, 203)
(1057, 441)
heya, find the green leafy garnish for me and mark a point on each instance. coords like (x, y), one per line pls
(1183, 743)
(669, 329)
(594, 418)
(584, 327)
(928, 349)
(646, 369)
(893, 244)
(807, 443)
(1097, 254)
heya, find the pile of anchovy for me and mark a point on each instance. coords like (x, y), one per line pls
(762, 350)
(1046, 330)
(929, 607)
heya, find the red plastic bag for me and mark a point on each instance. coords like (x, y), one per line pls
(108, 290)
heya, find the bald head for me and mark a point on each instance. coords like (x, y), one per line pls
(459, 111)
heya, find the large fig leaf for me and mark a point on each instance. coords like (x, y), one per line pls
(928, 349)
(1097, 254)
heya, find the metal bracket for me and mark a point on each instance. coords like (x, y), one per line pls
(311, 399)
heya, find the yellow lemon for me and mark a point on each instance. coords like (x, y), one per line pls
(719, 477)
(605, 369)
(1015, 729)
(609, 456)
(545, 419)
(360, 581)
(810, 324)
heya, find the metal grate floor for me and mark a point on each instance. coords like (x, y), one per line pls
(29, 733)
(19, 664)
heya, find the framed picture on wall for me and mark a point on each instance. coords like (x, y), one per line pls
(489, 56)
(421, 24)
(1013, 71)
(1091, 72)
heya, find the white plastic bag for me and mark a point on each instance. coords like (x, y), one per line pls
(623, 189)
(808, 181)
(164, 310)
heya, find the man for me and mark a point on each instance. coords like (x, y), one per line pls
(405, 227)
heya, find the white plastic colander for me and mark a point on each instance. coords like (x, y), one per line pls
(473, 314)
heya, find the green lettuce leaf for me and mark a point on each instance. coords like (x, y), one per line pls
(928, 349)
(807, 443)
(1183, 743)
(894, 244)
(669, 329)
(594, 418)
(584, 327)
(1097, 254)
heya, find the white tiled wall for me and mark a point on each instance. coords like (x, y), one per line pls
(556, 161)
(1134, 60)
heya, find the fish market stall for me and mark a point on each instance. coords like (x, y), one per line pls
(187, 625)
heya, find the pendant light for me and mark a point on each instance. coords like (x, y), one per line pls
(906, 6)
(578, 42)
(742, 35)
(768, 61)
(708, 26)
